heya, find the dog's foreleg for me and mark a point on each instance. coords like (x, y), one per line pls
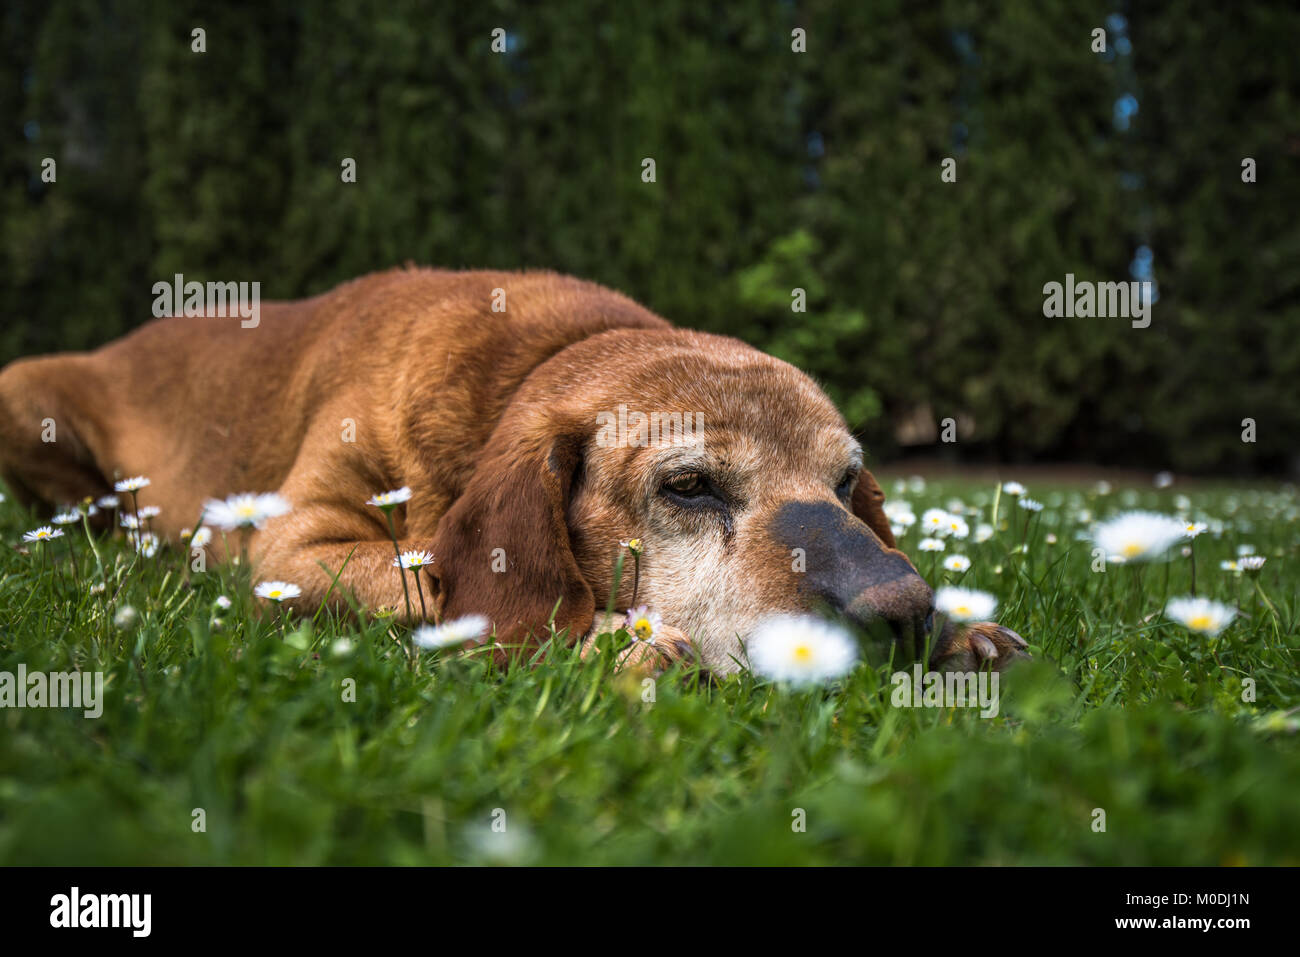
(652, 657)
(331, 573)
(969, 647)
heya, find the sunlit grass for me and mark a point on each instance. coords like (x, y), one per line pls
(246, 716)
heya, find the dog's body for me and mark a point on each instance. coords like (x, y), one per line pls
(494, 420)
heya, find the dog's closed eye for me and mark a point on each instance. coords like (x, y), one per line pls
(689, 485)
(845, 489)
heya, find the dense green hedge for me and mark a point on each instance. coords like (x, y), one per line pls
(774, 170)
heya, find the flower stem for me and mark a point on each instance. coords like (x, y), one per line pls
(397, 550)
(135, 512)
(419, 590)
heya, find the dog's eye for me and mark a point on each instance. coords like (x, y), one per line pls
(845, 488)
(688, 485)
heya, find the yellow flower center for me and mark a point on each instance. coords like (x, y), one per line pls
(274, 593)
(1132, 550)
(1199, 623)
(962, 609)
(643, 629)
(802, 653)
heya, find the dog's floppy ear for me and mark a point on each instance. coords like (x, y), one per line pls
(869, 505)
(502, 549)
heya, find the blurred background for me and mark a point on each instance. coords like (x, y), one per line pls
(775, 170)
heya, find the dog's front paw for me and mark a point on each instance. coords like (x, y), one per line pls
(650, 656)
(970, 647)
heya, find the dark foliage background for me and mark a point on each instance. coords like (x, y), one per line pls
(775, 170)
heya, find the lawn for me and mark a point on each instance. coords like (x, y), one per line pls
(236, 737)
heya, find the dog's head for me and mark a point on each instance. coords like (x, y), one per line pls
(733, 469)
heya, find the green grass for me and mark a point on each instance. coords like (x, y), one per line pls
(1121, 710)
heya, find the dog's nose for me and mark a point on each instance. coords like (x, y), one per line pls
(846, 566)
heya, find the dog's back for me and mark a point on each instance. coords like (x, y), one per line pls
(207, 406)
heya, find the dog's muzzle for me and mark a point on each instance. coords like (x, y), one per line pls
(847, 567)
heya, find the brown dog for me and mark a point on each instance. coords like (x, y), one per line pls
(535, 439)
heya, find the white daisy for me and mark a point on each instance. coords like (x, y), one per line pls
(931, 545)
(390, 500)
(1245, 550)
(222, 602)
(800, 650)
(935, 521)
(643, 624)
(449, 633)
(42, 534)
(983, 532)
(1138, 536)
(413, 560)
(149, 511)
(1192, 529)
(964, 604)
(245, 510)
(277, 591)
(108, 501)
(1251, 563)
(1030, 504)
(201, 538)
(147, 545)
(1229, 566)
(957, 527)
(956, 563)
(1202, 615)
(1013, 488)
(66, 518)
(900, 512)
(131, 484)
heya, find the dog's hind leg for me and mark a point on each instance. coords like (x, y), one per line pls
(46, 457)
